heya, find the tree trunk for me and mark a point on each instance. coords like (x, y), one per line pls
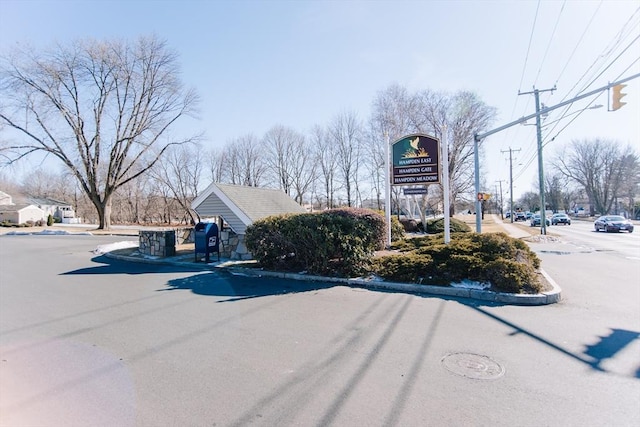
(104, 213)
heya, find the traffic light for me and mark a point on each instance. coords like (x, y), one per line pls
(617, 96)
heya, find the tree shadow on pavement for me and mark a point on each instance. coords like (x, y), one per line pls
(606, 348)
(241, 287)
(205, 282)
(113, 266)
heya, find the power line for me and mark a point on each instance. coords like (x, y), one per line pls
(553, 33)
(579, 42)
(526, 59)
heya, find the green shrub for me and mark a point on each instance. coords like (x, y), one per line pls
(436, 225)
(50, 220)
(334, 242)
(397, 229)
(403, 268)
(409, 225)
(507, 263)
(507, 275)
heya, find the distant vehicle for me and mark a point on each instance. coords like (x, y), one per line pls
(560, 218)
(528, 214)
(615, 223)
(536, 221)
(507, 215)
(520, 216)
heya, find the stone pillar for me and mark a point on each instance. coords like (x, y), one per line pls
(157, 243)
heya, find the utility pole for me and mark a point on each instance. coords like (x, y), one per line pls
(480, 136)
(536, 92)
(501, 203)
(510, 181)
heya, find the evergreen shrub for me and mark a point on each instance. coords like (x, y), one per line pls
(506, 263)
(334, 242)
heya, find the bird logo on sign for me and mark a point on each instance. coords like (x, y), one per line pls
(415, 150)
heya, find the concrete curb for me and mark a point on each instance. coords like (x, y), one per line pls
(545, 298)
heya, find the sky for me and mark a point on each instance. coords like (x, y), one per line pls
(257, 64)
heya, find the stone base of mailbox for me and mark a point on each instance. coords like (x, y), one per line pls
(159, 243)
(232, 246)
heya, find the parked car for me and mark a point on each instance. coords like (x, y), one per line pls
(615, 223)
(536, 220)
(528, 214)
(560, 218)
(520, 216)
(507, 215)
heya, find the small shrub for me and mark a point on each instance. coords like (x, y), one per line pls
(29, 223)
(409, 225)
(403, 268)
(397, 229)
(507, 263)
(507, 275)
(50, 220)
(435, 226)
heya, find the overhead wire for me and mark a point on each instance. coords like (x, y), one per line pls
(607, 67)
(555, 27)
(526, 59)
(608, 52)
(524, 67)
(575, 49)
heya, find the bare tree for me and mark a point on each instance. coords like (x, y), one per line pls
(462, 114)
(245, 161)
(601, 167)
(281, 146)
(345, 133)
(393, 113)
(216, 160)
(326, 159)
(179, 173)
(103, 108)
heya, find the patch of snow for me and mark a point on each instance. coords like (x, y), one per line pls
(470, 284)
(103, 249)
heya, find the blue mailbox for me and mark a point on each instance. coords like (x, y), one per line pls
(206, 239)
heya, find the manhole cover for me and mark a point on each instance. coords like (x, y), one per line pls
(473, 366)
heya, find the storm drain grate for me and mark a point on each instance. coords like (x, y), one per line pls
(474, 366)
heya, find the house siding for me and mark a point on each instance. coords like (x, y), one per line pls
(20, 214)
(213, 206)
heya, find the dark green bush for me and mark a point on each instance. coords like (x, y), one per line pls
(50, 220)
(403, 268)
(334, 242)
(507, 263)
(436, 225)
(409, 225)
(508, 275)
(397, 229)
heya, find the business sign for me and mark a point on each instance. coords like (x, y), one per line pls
(415, 160)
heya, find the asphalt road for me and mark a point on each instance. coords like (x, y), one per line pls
(86, 340)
